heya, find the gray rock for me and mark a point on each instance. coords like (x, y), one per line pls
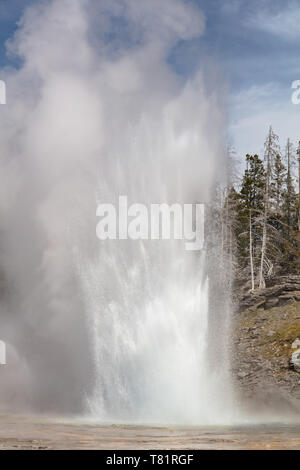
(242, 374)
(284, 289)
(295, 360)
(270, 303)
(296, 344)
(271, 333)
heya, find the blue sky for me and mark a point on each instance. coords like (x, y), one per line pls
(256, 44)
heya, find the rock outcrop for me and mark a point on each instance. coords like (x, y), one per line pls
(295, 357)
(266, 349)
(281, 291)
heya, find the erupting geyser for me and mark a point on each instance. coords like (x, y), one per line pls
(118, 330)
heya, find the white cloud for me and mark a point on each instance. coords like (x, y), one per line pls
(153, 21)
(255, 109)
(231, 8)
(170, 17)
(284, 23)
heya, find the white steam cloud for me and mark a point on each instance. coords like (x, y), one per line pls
(93, 111)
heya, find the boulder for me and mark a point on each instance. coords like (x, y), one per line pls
(295, 360)
(296, 344)
(270, 303)
(271, 333)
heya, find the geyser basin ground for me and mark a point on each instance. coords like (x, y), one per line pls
(40, 433)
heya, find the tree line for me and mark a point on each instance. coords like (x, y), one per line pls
(258, 217)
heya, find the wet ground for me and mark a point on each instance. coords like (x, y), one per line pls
(38, 434)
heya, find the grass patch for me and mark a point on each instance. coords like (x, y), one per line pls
(283, 320)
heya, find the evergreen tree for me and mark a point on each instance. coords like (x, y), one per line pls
(259, 223)
(289, 195)
(277, 186)
(248, 219)
(252, 191)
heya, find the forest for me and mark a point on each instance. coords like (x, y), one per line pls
(258, 214)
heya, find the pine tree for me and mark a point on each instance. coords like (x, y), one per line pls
(252, 191)
(289, 196)
(280, 249)
(261, 222)
(248, 220)
(277, 186)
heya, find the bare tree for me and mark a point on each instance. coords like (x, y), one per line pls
(251, 252)
(298, 153)
(271, 150)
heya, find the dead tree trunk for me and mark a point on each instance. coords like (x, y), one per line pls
(298, 153)
(251, 252)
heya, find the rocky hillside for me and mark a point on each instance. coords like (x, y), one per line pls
(266, 351)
